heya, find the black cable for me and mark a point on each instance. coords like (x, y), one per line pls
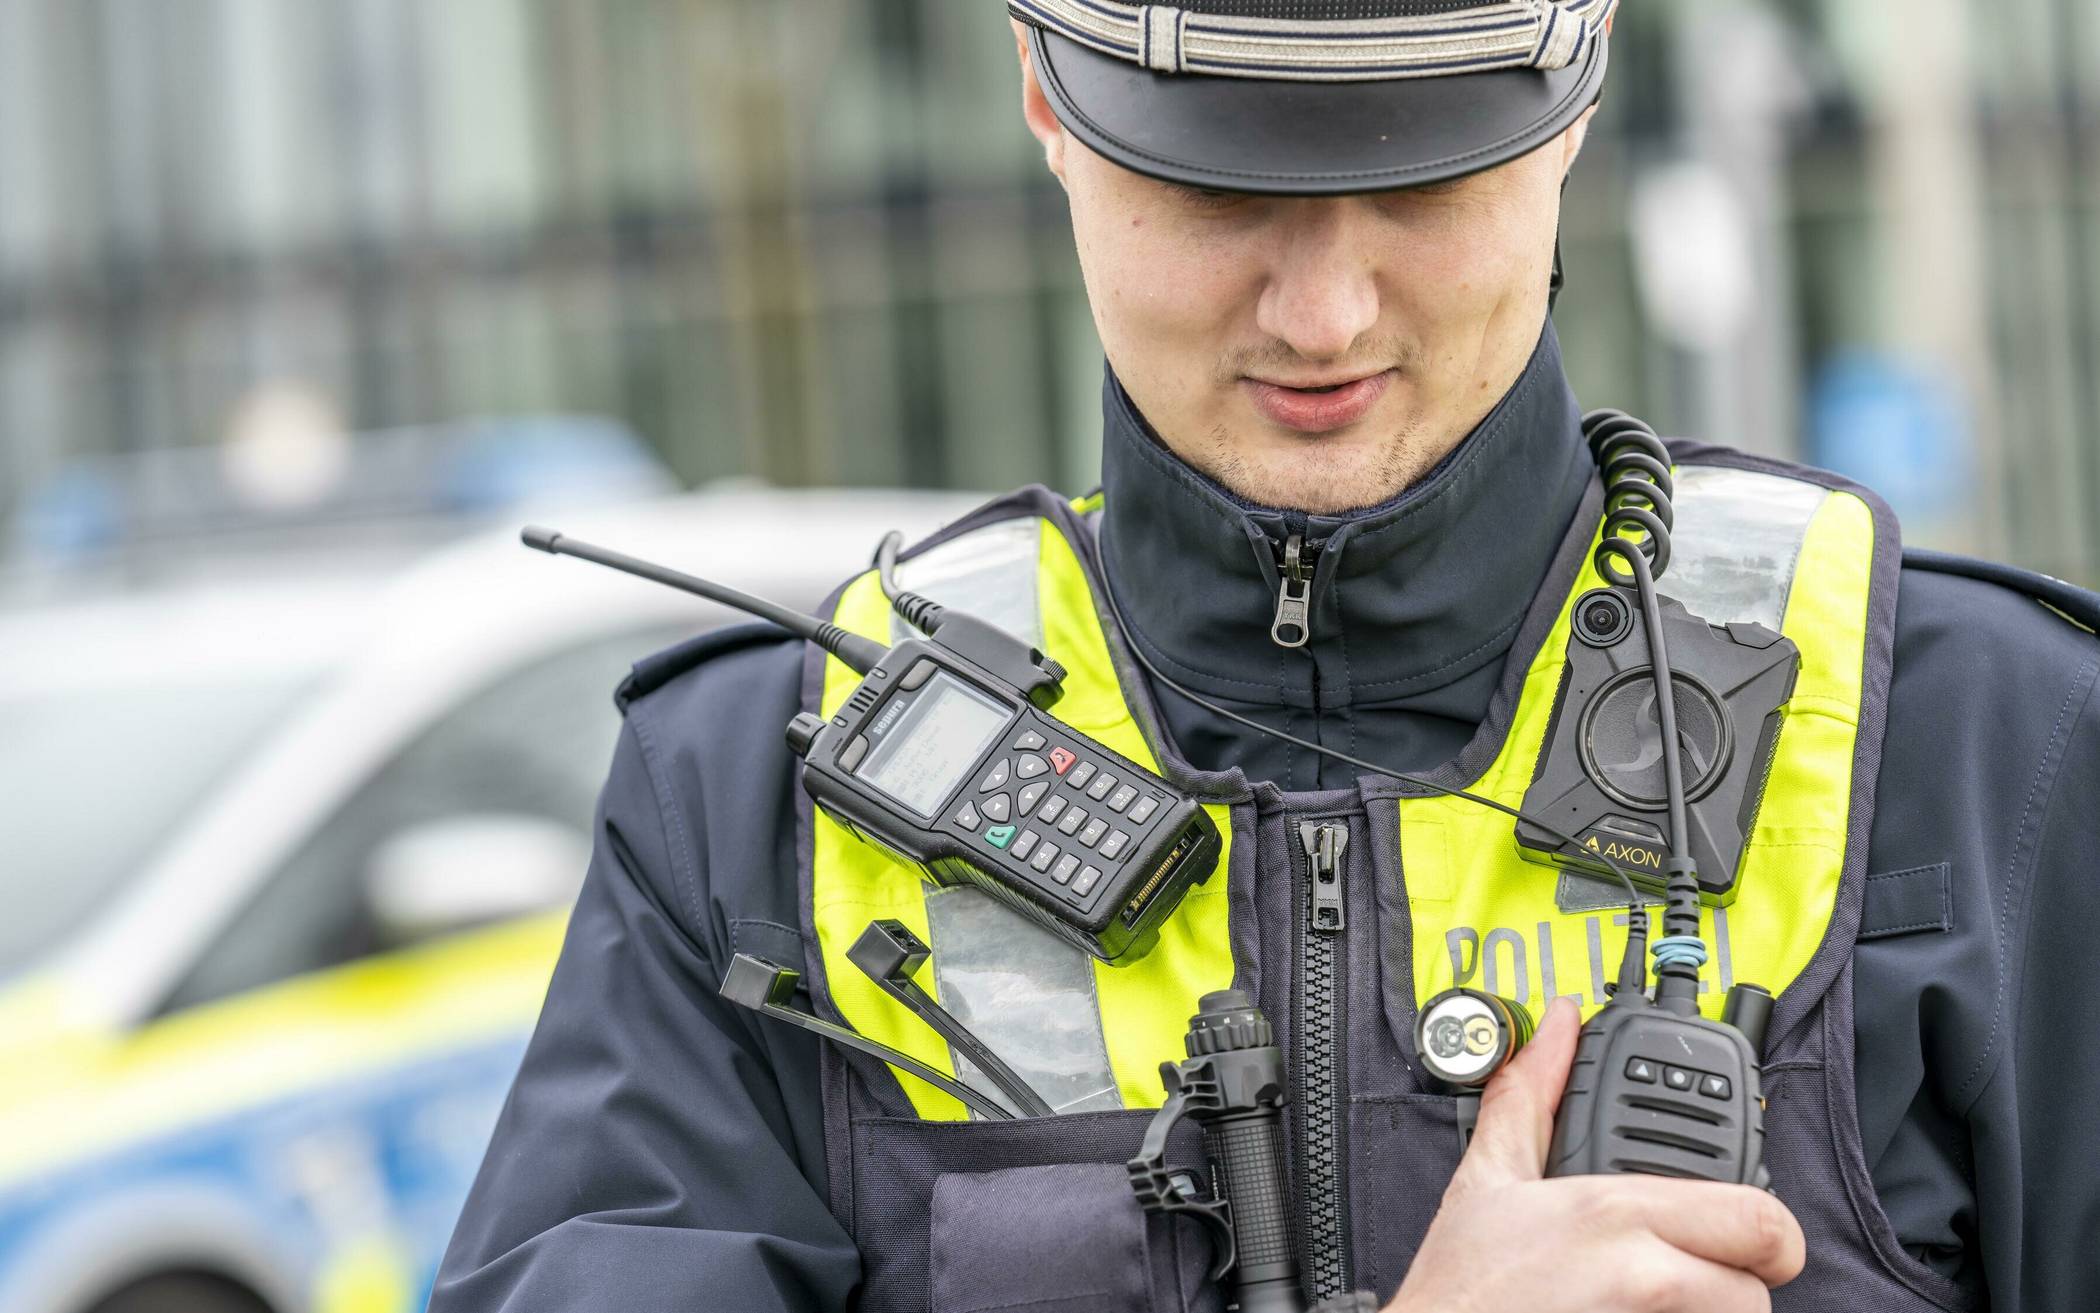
(765, 987)
(919, 611)
(886, 562)
(1637, 498)
(861, 654)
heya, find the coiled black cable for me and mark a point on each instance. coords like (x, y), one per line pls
(1637, 491)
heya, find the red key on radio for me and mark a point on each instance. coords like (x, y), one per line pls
(1061, 760)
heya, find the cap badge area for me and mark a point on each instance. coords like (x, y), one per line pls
(1540, 34)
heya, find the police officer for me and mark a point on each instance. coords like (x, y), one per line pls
(1345, 493)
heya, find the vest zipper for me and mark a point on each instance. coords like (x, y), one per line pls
(1319, 1056)
(1293, 624)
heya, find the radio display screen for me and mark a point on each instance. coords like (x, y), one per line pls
(931, 741)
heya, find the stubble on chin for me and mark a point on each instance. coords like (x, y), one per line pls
(1320, 473)
(1322, 480)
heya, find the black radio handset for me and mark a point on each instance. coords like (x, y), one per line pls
(945, 756)
(1655, 1087)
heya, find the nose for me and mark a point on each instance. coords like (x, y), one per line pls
(1322, 290)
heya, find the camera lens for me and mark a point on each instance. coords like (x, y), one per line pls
(1603, 616)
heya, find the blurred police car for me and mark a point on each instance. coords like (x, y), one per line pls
(284, 872)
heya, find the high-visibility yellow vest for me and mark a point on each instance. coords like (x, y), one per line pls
(1750, 544)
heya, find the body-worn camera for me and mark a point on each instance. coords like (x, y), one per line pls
(1599, 778)
(947, 765)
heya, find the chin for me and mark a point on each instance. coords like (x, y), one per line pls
(1319, 482)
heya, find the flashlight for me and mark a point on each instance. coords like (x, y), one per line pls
(1465, 1035)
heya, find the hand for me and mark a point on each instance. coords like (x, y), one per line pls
(1506, 1239)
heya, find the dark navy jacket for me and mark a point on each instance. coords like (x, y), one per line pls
(663, 1149)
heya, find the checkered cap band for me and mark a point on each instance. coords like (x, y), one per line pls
(1329, 40)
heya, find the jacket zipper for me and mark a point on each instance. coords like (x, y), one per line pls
(1292, 626)
(1319, 1064)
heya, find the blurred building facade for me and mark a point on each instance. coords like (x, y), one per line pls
(811, 242)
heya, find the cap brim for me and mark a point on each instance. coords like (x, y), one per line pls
(1307, 138)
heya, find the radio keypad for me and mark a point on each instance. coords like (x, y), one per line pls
(1684, 1080)
(1032, 757)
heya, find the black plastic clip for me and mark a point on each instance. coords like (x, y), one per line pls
(1191, 1089)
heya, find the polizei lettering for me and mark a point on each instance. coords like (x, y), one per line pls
(1520, 964)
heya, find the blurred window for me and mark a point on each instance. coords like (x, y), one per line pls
(93, 780)
(535, 744)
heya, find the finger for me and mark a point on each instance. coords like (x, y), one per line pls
(1657, 1278)
(1516, 1109)
(1733, 1225)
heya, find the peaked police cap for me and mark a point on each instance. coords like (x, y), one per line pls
(1316, 97)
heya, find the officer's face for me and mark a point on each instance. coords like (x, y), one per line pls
(1226, 315)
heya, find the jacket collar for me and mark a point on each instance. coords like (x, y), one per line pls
(1407, 598)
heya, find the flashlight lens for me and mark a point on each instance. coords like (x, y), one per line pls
(1464, 1036)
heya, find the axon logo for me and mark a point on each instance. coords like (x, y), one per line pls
(1574, 957)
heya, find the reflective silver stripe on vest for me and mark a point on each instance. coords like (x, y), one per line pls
(1736, 541)
(1020, 989)
(989, 572)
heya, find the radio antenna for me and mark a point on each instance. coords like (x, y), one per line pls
(862, 654)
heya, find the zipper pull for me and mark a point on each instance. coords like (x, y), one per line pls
(1325, 842)
(1293, 624)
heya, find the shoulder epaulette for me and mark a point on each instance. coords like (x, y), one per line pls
(660, 668)
(2079, 606)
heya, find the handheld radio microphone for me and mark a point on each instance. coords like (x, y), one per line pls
(946, 757)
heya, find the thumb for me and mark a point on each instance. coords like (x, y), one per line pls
(1516, 1109)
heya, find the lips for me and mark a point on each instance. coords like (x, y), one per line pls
(1307, 410)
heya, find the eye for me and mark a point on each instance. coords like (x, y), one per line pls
(1203, 198)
